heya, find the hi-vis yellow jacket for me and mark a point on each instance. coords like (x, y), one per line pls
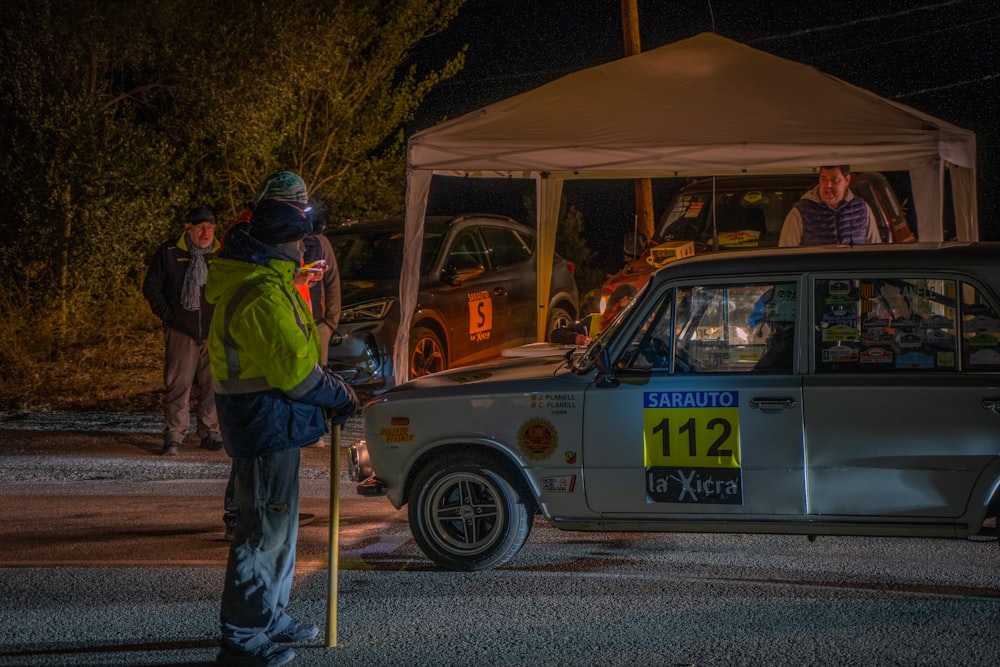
(264, 350)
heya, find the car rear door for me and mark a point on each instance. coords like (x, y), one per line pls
(897, 411)
(706, 415)
(514, 269)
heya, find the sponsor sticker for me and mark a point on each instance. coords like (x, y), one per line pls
(560, 484)
(537, 438)
(480, 316)
(691, 444)
(396, 434)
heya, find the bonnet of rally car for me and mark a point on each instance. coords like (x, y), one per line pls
(505, 370)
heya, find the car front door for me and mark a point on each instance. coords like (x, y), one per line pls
(705, 415)
(473, 300)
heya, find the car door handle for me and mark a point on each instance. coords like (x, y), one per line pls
(772, 404)
(499, 291)
(992, 404)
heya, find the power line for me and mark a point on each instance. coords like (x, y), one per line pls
(956, 84)
(884, 42)
(865, 19)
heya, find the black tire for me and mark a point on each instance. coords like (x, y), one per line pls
(426, 352)
(466, 515)
(558, 317)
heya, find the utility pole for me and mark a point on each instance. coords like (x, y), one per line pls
(643, 186)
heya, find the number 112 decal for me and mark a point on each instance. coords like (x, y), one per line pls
(692, 450)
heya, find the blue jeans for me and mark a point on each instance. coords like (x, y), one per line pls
(262, 554)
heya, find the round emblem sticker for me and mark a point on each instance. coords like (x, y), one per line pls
(537, 438)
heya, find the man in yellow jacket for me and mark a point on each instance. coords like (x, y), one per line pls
(273, 397)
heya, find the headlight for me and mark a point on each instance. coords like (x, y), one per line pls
(370, 310)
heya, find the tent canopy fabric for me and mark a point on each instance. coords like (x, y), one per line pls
(702, 106)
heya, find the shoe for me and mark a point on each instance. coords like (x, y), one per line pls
(265, 655)
(211, 442)
(171, 449)
(296, 633)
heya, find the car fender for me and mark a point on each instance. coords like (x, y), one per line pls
(425, 316)
(985, 498)
(431, 450)
(565, 300)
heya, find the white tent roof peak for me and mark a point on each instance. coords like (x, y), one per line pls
(706, 104)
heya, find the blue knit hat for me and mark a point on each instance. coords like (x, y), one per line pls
(283, 186)
(275, 222)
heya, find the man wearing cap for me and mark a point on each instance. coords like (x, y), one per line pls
(273, 397)
(175, 289)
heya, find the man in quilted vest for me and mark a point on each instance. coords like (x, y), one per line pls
(830, 213)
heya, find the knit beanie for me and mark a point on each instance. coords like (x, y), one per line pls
(283, 186)
(274, 222)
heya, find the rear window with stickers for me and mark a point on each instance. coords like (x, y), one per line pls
(903, 324)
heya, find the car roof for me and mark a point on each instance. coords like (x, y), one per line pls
(981, 259)
(433, 223)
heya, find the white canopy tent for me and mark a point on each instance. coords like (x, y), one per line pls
(702, 106)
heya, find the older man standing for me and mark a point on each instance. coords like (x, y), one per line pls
(175, 289)
(830, 213)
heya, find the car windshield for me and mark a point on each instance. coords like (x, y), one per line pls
(378, 254)
(585, 361)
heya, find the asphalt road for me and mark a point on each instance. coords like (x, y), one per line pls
(110, 555)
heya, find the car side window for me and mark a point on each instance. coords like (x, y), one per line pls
(505, 246)
(886, 324)
(467, 252)
(980, 331)
(736, 328)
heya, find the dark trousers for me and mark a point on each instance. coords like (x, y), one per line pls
(262, 554)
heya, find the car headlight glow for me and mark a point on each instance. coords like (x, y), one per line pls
(368, 311)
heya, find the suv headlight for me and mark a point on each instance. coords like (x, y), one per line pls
(368, 311)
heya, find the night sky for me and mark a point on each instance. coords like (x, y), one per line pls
(941, 58)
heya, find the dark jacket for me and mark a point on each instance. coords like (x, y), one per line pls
(164, 282)
(324, 294)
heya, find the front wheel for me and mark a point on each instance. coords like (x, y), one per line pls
(466, 515)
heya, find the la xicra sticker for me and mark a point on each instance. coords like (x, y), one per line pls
(480, 316)
(537, 438)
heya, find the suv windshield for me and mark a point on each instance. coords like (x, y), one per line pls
(378, 254)
(744, 217)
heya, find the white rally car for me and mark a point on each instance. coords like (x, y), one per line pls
(741, 393)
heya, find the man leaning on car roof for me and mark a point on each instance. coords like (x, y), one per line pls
(830, 213)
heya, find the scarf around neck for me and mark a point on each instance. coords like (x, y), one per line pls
(194, 277)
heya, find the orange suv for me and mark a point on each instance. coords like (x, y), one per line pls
(749, 212)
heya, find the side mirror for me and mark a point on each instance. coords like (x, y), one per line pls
(605, 372)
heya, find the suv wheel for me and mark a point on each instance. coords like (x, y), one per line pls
(558, 317)
(426, 353)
